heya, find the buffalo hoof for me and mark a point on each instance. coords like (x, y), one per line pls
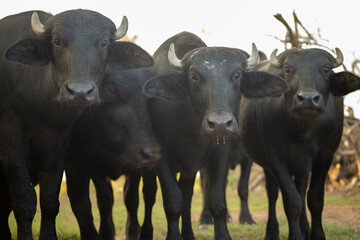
(206, 219)
(246, 220)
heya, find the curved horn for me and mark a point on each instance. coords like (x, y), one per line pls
(339, 58)
(274, 61)
(254, 58)
(121, 31)
(36, 25)
(173, 59)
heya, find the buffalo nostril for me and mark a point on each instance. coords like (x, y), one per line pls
(229, 123)
(300, 97)
(211, 123)
(145, 154)
(316, 98)
(90, 91)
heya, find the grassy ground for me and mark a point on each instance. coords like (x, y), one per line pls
(68, 229)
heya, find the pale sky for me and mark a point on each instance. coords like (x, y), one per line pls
(230, 23)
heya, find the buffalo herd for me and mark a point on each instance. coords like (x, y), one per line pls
(74, 98)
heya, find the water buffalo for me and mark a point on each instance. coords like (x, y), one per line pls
(293, 137)
(50, 69)
(194, 113)
(236, 156)
(112, 139)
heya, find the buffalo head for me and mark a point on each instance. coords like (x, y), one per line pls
(73, 47)
(212, 80)
(311, 79)
(124, 129)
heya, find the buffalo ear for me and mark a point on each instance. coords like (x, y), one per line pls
(168, 86)
(127, 55)
(30, 51)
(343, 83)
(262, 84)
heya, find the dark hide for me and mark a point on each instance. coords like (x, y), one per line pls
(46, 82)
(297, 134)
(109, 140)
(237, 156)
(194, 115)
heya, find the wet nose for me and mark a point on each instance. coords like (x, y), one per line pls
(81, 92)
(80, 88)
(308, 98)
(220, 124)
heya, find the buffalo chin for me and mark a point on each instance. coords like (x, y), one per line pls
(78, 103)
(306, 117)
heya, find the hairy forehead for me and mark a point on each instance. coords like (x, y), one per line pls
(82, 22)
(218, 57)
(308, 56)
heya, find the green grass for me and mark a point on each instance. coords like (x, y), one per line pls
(68, 229)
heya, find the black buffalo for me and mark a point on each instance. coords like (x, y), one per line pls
(236, 156)
(49, 73)
(194, 114)
(112, 139)
(297, 134)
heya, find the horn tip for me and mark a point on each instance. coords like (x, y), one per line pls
(125, 20)
(253, 46)
(274, 52)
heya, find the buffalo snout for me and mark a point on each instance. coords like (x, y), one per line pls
(79, 93)
(220, 124)
(150, 156)
(308, 101)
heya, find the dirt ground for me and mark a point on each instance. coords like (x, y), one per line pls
(345, 216)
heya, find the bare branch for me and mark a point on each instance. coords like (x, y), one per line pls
(290, 32)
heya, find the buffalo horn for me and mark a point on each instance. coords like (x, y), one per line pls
(339, 58)
(36, 25)
(274, 61)
(121, 31)
(253, 59)
(173, 60)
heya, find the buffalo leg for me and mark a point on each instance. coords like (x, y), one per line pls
(205, 217)
(291, 199)
(315, 196)
(243, 191)
(186, 184)
(50, 182)
(272, 191)
(22, 192)
(5, 207)
(131, 199)
(78, 192)
(172, 199)
(301, 185)
(218, 169)
(149, 193)
(105, 202)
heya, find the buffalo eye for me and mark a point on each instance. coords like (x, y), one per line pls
(112, 90)
(327, 69)
(56, 41)
(104, 43)
(287, 70)
(194, 77)
(237, 76)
